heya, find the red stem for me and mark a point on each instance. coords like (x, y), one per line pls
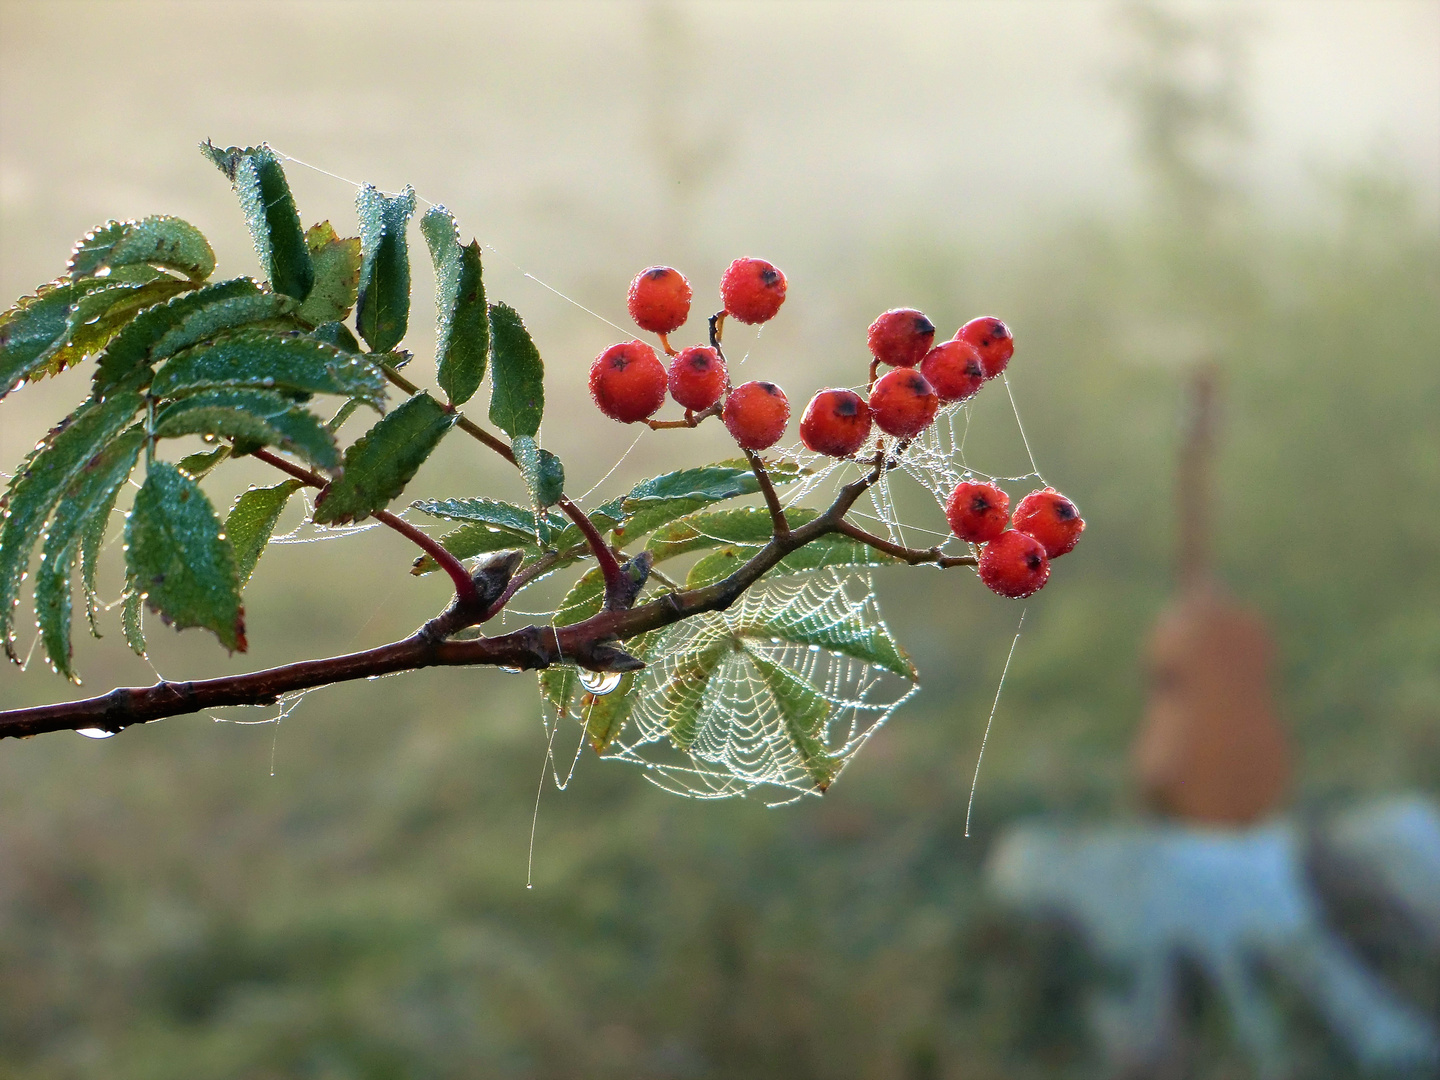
(603, 555)
(464, 586)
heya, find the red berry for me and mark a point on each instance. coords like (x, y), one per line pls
(753, 290)
(977, 512)
(698, 377)
(903, 402)
(659, 299)
(627, 381)
(992, 340)
(901, 337)
(1014, 565)
(756, 414)
(1050, 518)
(836, 422)
(954, 369)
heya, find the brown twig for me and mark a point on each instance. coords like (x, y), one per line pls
(772, 500)
(913, 556)
(692, 419)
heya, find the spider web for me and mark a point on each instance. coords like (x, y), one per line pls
(779, 692)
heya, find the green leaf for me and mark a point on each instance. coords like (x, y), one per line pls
(337, 275)
(851, 631)
(252, 521)
(518, 375)
(747, 525)
(718, 565)
(709, 483)
(131, 616)
(271, 361)
(543, 473)
(136, 346)
(338, 335)
(87, 500)
(90, 548)
(182, 565)
(476, 539)
(583, 600)
(154, 241)
(104, 313)
(256, 416)
(515, 520)
(803, 711)
(37, 326)
(462, 328)
(383, 460)
(270, 213)
(40, 482)
(198, 464)
(382, 311)
(646, 516)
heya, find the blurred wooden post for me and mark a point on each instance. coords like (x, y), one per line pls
(1210, 748)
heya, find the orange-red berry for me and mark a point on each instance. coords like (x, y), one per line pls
(659, 299)
(1014, 565)
(698, 377)
(627, 381)
(752, 290)
(977, 512)
(1050, 518)
(954, 370)
(756, 414)
(903, 403)
(901, 337)
(992, 340)
(836, 422)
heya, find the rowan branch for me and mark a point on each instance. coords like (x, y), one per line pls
(464, 586)
(772, 500)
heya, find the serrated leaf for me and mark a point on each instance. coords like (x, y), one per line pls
(383, 460)
(850, 632)
(132, 613)
(36, 327)
(159, 240)
(338, 335)
(709, 483)
(270, 212)
(646, 516)
(41, 481)
(462, 322)
(803, 711)
(583, 600)
(475, 539)
(336, 260)
(253, 416)
(105, 312)
(134, 348)
(180, 559)
(517, 375)
(259, 359)
(87, 500)
(382, 311)
(90, 548)
(748, 525)
(198, 464)
(515, 520)
(544, 474)
(252, 521)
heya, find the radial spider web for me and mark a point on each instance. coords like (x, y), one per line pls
(779, 692)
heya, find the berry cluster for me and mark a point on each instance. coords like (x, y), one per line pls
(1014, 562)
(628, 381)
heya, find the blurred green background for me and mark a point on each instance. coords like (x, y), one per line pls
(1133, 189)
